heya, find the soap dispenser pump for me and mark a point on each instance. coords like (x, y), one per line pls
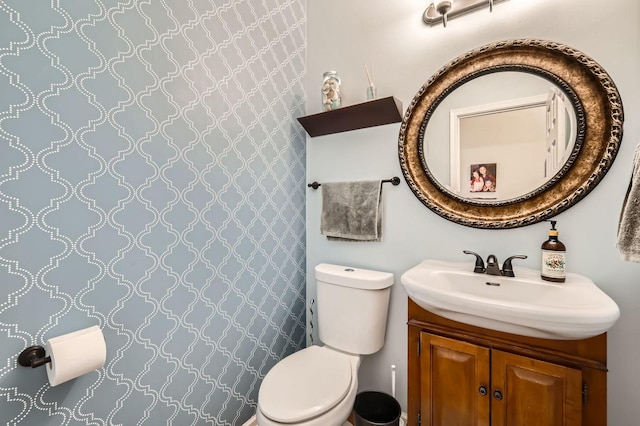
(553, 257)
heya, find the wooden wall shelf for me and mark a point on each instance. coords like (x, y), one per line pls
(372, 113)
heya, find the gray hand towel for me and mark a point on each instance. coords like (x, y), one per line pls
(629, 225)
(352, 211)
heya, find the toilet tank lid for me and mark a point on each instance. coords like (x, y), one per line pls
(353, 277)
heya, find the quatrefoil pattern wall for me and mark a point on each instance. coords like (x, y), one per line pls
(151, 183)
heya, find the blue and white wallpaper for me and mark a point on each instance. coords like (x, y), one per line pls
(152, 183)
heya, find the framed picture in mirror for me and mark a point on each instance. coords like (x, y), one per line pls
(483, 177)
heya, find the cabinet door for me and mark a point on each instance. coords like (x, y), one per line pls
(528, 392)
(455, 382)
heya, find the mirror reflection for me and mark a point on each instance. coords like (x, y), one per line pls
(580, 142)
(499, 136)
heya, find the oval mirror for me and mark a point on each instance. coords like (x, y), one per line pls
(510, 134)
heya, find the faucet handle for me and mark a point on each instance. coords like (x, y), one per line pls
(479, 268)
(507, 269)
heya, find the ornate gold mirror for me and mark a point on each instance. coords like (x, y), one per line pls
(510, 134)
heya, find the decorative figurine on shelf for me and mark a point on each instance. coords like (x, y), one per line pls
(331, 96)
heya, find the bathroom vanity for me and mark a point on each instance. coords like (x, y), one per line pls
(460, 374)
(487, 347)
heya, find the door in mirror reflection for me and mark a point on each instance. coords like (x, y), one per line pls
(514, 122)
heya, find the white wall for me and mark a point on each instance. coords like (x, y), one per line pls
(403, 53)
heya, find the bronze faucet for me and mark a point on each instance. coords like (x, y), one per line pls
(493, 267)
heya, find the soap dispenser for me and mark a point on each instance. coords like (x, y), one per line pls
(554, 266)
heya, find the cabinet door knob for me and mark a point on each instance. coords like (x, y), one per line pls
(497, 395)
(482, 390)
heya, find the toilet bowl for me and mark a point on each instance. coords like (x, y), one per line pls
(317, 386)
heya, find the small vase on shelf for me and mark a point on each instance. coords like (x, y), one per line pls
(331, 95)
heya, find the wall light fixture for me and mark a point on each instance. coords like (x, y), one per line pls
(443, 10)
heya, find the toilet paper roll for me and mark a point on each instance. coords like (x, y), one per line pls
(75, 354)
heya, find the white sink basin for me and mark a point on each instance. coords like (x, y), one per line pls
(524, 305)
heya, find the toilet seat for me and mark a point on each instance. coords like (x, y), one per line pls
(305, 385)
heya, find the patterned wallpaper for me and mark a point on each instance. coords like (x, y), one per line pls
(152, 183)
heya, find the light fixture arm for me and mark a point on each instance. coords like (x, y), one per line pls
(444, 10)
(443, 7)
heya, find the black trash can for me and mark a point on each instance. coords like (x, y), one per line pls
(376, 409)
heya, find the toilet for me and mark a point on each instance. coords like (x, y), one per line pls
(317, 386)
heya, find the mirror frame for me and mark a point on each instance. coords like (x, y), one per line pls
(598, 109)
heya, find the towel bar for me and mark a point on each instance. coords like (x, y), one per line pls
(395, 181)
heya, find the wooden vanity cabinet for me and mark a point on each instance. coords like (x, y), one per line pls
(469, 376)
(451, 374)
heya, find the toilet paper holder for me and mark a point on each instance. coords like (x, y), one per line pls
(33, 356)
(68, 356)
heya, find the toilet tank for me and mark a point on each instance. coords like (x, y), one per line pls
(352, 307)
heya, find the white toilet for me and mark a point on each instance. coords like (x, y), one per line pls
(317, 386)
